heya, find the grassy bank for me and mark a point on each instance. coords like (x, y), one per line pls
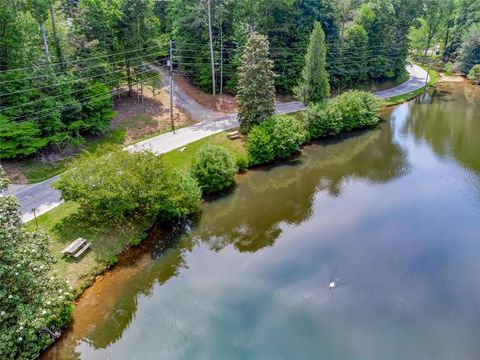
(64, 225)
(183, 159)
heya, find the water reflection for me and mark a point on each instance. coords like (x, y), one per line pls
(385, 210)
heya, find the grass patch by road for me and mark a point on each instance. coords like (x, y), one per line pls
(434, 77)
(183, 160)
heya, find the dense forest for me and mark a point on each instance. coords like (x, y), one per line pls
(63, 62)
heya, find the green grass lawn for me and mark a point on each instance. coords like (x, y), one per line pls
(64, 226)
(183, 160)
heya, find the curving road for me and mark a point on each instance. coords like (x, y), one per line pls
(43, 197)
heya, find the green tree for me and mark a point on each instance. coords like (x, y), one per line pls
(33, 300)
(256, 89)
(470, 49)
(355, 54)
(260, 146)
(112, 185)
(19, 139)
(288, 133)
(314, 85)
(214, 168)
(474, 74)
(323, 121)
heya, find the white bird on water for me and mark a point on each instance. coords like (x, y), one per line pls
(333, 284)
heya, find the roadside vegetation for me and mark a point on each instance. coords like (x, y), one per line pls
(35, 301)
(214, 167)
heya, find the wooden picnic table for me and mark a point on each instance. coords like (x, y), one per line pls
(233, 135)
(77, 247)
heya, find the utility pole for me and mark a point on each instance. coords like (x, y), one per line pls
(221, 59)
(34, 211)
(171, 87)
(211, 46)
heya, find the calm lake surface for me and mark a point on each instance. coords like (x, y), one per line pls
(392, 213)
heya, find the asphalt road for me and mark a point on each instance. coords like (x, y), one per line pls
(43, 197)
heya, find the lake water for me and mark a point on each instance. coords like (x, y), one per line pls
(392, 214)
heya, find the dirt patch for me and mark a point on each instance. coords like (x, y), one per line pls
(450, 78)
(15, 174)
(222, 103)
(143, 115)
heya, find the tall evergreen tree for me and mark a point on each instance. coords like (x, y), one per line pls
(256, 86)
(314, 85)
(355, 54)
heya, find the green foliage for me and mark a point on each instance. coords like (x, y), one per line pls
(214, 168)
(474, 74)
(4, 181)
(112, 184)
(278, 137)
(19, 140)
(256, 90)
(32, 298)
(355, 53)
(358, 108)
(470, 49)
(314, 85)
(288, 133)
(349, 111)
(242, 163)
(448, 68)
(323, 120)
(112, 260)
(260, 146)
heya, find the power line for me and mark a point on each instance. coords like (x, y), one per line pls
(69, 82)
(85, 59)
(75, 103)
(81, 69)
(61, 95)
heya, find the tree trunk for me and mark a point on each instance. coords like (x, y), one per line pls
(429, 40)
(45, 42)
(129, 76)
(211, 47)
(58, 48)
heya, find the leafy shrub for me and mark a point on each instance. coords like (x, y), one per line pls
(358, 108)
(323, 121)
(112, 184)
(242, 163)
(260, 146)
(32, 298)
(214, 168)
(448, 68)
(474, 74)
(348, 111)
(277, 137)
(288, 134)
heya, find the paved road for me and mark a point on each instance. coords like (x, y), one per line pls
(43, 197)
(417, 80)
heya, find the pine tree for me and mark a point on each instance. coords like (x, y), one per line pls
(256, 88)
(314, 85)
(355, 54)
